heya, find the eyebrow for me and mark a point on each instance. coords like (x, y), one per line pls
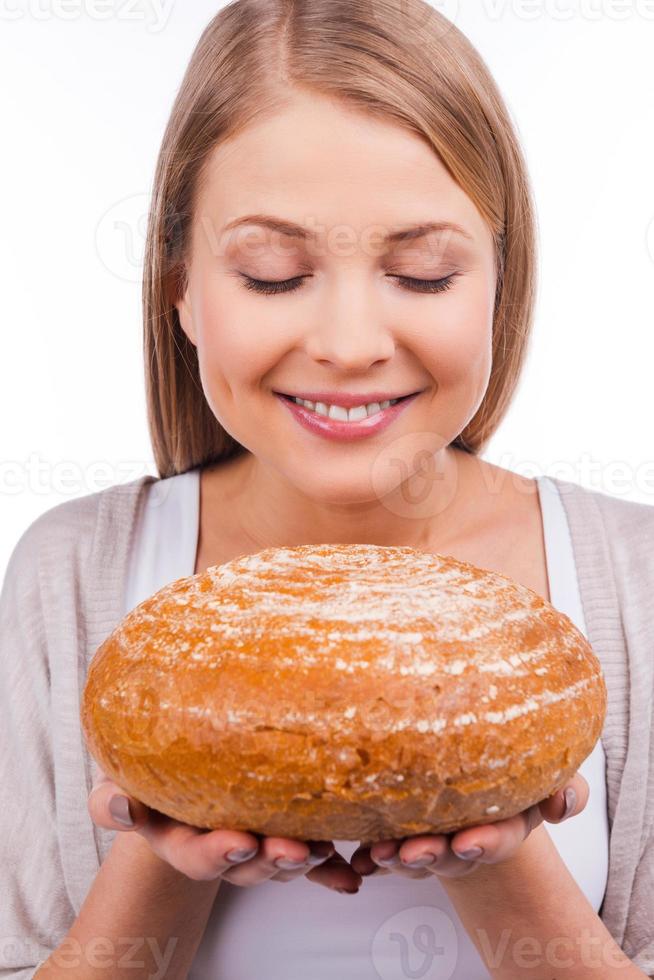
(293, 230)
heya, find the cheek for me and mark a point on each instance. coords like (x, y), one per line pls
(457, 340)
(238, 337)
(221, 336)
(223, 349)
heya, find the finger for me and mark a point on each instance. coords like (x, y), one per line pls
(275, 854)
(397, 855)
(497, 841)
(362, 862)
(319, 852)
(198, 853)
(554, 807)
(424, 852)
(110, 807)
(336, 873)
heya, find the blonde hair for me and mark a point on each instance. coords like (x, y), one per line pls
(398, 59)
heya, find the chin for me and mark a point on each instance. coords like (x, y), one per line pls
(344, 484)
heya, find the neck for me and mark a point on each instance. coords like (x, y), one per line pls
(428, 509)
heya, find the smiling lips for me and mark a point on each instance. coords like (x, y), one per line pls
(344, 399)
(336, 411)
(337, 423)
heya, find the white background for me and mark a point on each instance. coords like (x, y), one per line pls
(85, 91)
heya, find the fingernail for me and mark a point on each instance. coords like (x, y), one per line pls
(470, 854)
(315, 858)
(421, 862)
(570, 801)
(119, 810)
(347, 891)
(388, 862)
(287, 865)
(241, 854)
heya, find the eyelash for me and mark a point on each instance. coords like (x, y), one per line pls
(291, 285)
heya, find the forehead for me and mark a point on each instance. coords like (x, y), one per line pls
(317, 164)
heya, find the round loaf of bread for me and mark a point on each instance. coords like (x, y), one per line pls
(343, 692)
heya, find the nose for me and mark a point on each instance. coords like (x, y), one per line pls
(350, 331)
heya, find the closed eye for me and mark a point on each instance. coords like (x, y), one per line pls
(291, 285)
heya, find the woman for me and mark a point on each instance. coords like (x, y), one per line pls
(341, 219)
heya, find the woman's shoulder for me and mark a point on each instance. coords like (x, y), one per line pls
(613, 539)
(77, 528)
(628, 524)
(613, 503)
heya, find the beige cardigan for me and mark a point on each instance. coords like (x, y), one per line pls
(63, 594)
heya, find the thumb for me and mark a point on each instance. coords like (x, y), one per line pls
(554, 807)
(111, 807)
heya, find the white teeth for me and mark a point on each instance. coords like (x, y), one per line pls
(341, 414)
(336, 412)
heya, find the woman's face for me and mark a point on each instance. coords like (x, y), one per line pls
(351, 325)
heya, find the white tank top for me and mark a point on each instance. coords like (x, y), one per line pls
(395, 928)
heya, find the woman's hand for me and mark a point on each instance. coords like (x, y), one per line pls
(240, 857)
(499, 841)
